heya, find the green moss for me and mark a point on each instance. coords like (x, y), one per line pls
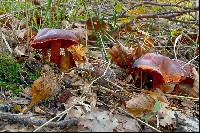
(9, 72)
(9, 68)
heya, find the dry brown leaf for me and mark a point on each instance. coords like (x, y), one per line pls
(190, 86)
(158, 94)
(126, 124)
(140, 104)
(44, 87)
(194, 92)
(78, 53)
(148, 43)
(96, 23)
(122, 56)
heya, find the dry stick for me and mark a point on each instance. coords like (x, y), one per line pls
(138, 119)
(74, 103)
(40, 127)
(190, 61)
(166, 15)
(27, 120)
(175, 96)
(158, 4)
(186, 22)
(100, 76)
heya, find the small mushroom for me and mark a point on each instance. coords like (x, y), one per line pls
(53, 39)
(162, 69)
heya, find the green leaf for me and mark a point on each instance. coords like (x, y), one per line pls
(156, 106)
(118, 7)
(148, 116)
(49, 3)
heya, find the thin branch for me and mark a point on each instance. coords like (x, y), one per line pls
(166, 15)
(186, 22)
(159, 4)
(183, 97)
(29, 120)
(64, 112)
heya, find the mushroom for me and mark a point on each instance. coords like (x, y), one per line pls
(53, 39)
(162, 68)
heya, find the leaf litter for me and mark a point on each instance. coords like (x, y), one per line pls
(87, 94)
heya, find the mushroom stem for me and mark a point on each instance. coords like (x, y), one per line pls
(55, 51)
(155, 81)
(45, 56)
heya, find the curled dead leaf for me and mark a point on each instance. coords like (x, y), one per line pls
(78, 53)
(190, 86)
(122, 56)
(44, 87)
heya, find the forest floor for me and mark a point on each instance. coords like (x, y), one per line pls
(135, 66)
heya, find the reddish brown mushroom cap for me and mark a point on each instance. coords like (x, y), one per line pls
(163, 69)
(46, 35)
(54, 39)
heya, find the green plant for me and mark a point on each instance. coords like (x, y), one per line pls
(9, 72)
(13, 75)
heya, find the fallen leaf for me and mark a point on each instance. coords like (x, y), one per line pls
(17, 108)
(141, 104)
(46, 86)
(123, 20)
(166, 116)
(78, 53)
(187, 123)
(66, 94)
(190, 86)
(194, 92)
(122, 56)
(126, 124)
(98, 121)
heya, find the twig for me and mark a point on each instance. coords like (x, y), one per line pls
(190, 61)
(64, 112)
(165, 15)
(29, 120)
(158, 4)
(175, 96)
(186, 22)
(100, 76)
